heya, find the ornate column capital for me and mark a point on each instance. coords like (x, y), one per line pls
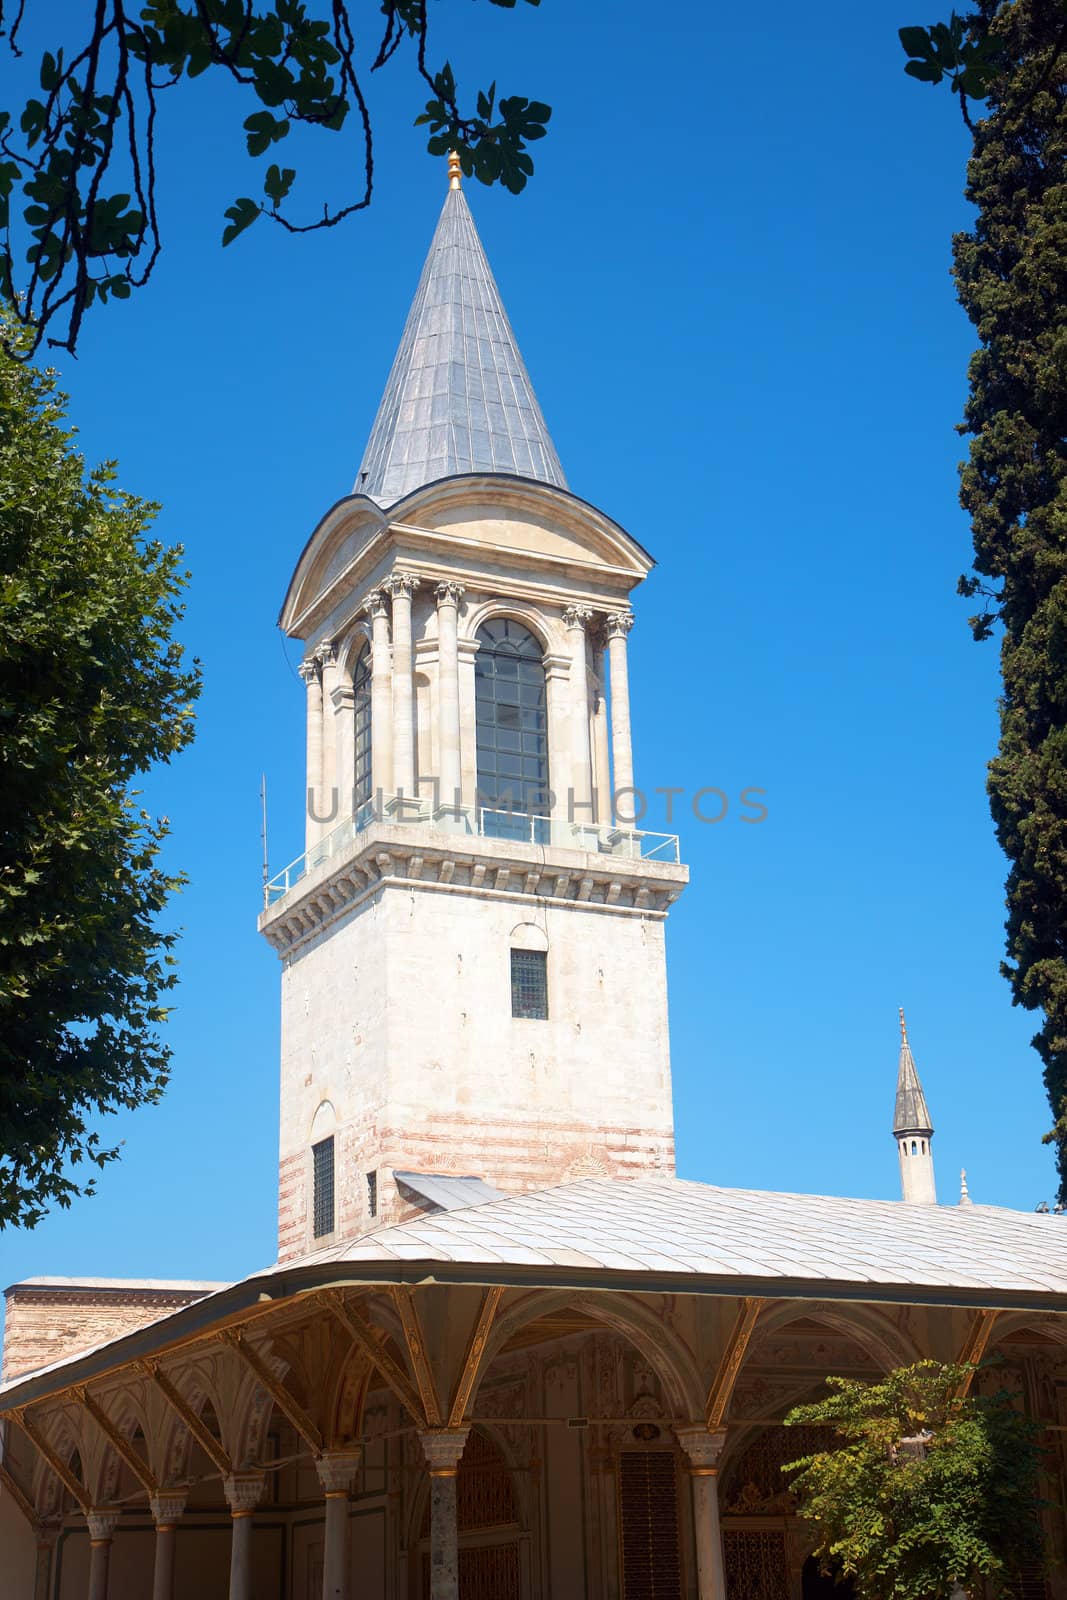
(618, 623)
(326, 653)
(449, 594)
(337, 1468)
(168, 1506)
(702, 1446)
(309, 669)
(443, 1448)
(243, 1491)
(374, 604)
(577, 616)
(102, 1521)
(401, 583)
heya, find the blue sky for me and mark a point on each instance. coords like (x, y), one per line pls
(729, 279)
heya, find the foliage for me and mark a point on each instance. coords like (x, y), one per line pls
(82, 154)
(1011, 275)
(910, 1517)
(92, 692)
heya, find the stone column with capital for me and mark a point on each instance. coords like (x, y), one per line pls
(402, 587)
(331, 807)
(168, 1507)
(703, 1449)
(45, 1535)
(101, 1531)
(575, 620)
(619, 624)
(336, 1470)
(448, 596)
(243, 1492)
(381, 696)
(443, 1448)
(311, 673)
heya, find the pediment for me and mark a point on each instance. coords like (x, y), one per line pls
(487, 524)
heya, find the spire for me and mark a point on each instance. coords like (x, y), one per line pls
(965, 1193)
(458, 398)
(911, 1114)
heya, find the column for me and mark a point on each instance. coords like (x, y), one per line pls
(336, 1471)
(331, 807)
(443, 1450)
(402, 588)
(101, 1529)
(575, 619)
(45, 1537)
(448, 596)
(704, 1449)
(557, 694)
(309, 671)
(167, 1509)
(622, 760)
(243, 1490)
(601, 756)
(381, 697)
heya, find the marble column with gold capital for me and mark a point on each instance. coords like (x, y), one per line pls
(703, 1448)
(336, 1470)
(168, 1507)
(443, 1448)
(243, 1492)
(101, 1531)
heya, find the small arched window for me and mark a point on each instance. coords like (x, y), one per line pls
(512, 719)
(914, 1148)
(361, 685)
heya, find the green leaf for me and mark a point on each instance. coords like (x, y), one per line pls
(925, 71)
(263, 130)
(242, 214)
(277, 183)
(916, 41)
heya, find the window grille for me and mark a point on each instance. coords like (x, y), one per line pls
(512, 722)
(361, 693)
(322, 1209)
(648, 1503)
(372, 1194)
(529, 984)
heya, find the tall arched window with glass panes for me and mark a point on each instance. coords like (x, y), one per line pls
(512, 726)
(361, 684)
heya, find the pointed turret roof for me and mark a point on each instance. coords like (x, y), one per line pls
(911, 1114)
(459, 398)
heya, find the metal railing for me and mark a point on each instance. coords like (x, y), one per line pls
(597, 838)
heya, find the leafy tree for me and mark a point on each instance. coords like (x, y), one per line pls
(93, 691)
(1011, 275)
(80, 157)
(920, 1489)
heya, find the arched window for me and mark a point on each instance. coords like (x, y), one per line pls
(512, 719)
(361, 777)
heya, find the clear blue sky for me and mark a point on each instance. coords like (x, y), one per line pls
(730, 283)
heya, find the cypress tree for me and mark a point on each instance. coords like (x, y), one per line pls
(1011, 274)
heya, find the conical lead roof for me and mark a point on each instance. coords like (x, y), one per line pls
(911, 1114)
(459, 398)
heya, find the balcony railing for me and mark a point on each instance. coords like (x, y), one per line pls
(604, 838)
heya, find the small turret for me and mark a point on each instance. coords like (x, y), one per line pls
(913, 1130)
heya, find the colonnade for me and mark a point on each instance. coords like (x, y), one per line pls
(443, 1449)
(590, 759)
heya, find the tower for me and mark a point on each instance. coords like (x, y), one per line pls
(913, 1130)
(472, 945)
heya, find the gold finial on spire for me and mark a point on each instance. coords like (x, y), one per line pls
(903, 1026)
(454, 169)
